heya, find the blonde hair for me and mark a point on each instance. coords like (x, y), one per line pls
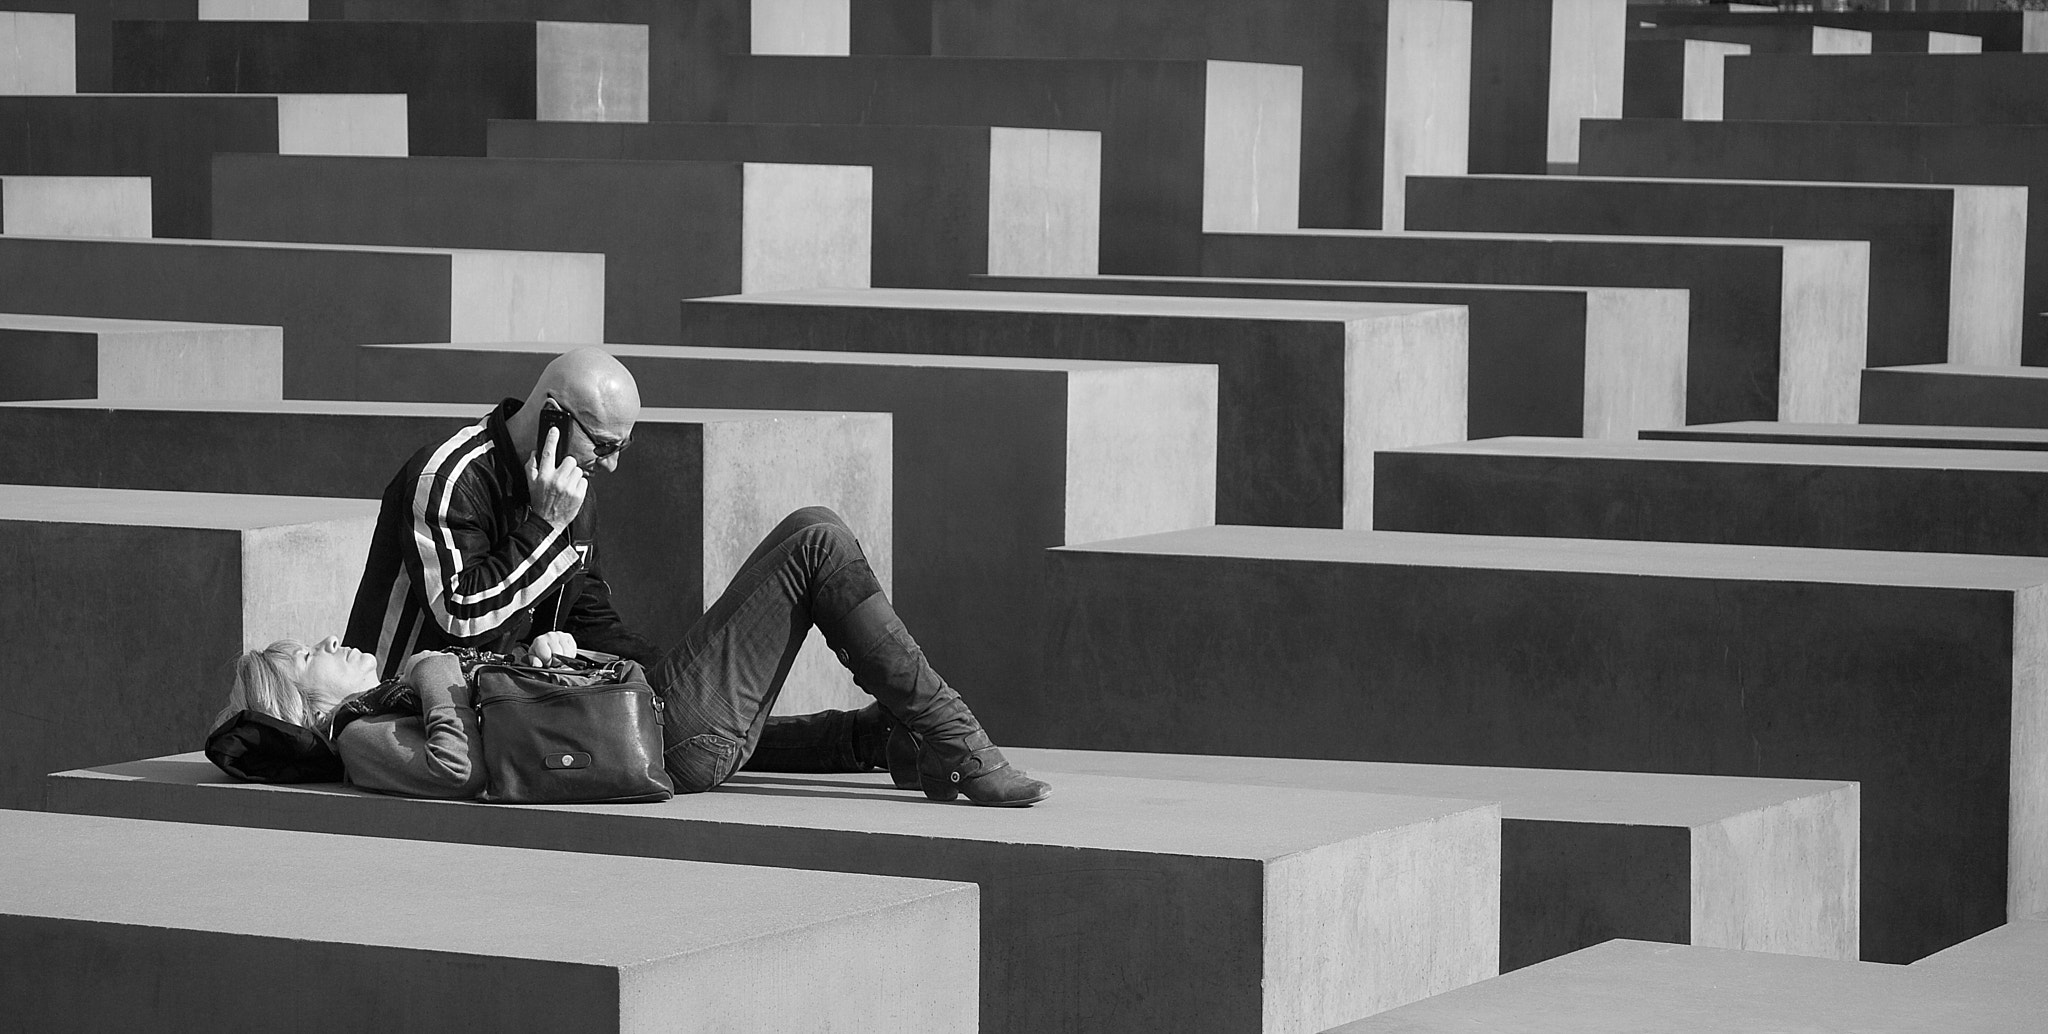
(263, 685)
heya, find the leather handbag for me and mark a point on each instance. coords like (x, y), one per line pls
(570, 736)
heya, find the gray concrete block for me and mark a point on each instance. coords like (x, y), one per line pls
(1632, 985)
(41, 51)
(1186, 145)
(683, 511)
(1676, 78)
(1958, 393)
(1565, 653)
(454, 76)
(1774, 38)
(949, 201)
(80, 357)
(1719, 861)
(75, 206)
(1602, 362)
(1999, 30)
(1538, 68)
(1306, 390)
(1868, 152)
(1909, 436)
(2004, 964)
(1947, 263)
(171, 585)
(118, 924)
(1385, 83)
(1133, 904)
(1966, 88)
(253, 10)
(317, 293)
(1832, 496)
(666, 230)
(172, 139)
(1777, 329)
(1926, 43)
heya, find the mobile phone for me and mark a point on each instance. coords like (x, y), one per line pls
(552, 415)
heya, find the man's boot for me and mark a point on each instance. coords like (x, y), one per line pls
(954, 756)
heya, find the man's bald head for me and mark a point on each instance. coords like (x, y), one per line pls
(597, 389)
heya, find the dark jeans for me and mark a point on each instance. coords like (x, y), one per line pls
(720, 682)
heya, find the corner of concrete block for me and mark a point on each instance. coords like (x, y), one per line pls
(1987, 275)
(2027, 861)
(43, 53)
(1251, 147)
(1635, 359)
(75, 206)
(1428, 98)
(1141, 451)
(299, 580)
(555, 296)
(805, 226)
(342, 123)
(822, 28)
(1405, 383)
(1823, 329)
(1588, 39)
(1786, 877)
(590, 72)
(1044, 202)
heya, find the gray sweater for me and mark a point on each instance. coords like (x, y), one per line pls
(430, 754)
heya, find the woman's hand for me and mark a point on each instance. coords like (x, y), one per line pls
(549, 646)
(405, 670)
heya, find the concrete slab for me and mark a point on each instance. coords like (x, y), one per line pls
(1762, 864)
(42, 52)
(75, 206)
(1999, 30)
(1926, 43)
(315, 292)
(170, 920)
(1538, 68)
(1851, 151)
(994, 460)
(1186, 145)
(1947, 263)
(79, 357)
(2005, 962)
(454, 76)
(1957, 393)
(1774, 38)
(1139, 904)
(1601, 362)
(1385, 83)
(682, 512)
(172, 139)
(182, 582)
(666, 230)
(949, 201)
(1305, 392)
(1676, 78)
(1632, 985)
(1831, 496)
(1902, 435)
(1567, 653)
(1968, 88)
(253, 10)
(1777, 328)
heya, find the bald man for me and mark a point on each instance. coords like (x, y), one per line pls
(484, 540)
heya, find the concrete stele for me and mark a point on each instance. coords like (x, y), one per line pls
(590, 72)
(1957, 393)
(800, 27)
(1538, 68)
(75, 206)
(61, 357)
(253, 10)
(1677, 78)
(125, 924)
(41, 52)
(1138, 904)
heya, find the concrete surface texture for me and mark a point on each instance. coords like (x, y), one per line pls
(1851, 151)
(81, 357)
(1911, 436)
(1137, 904)
(697, 228)
(1537, 69)
(42, 52)
(1762, 864)
(994, 460)
(1967, 88)
(1385, 83)
(172, 139)
(684, 509)
(1306, 390)
(1676, 78)
(172, 585)
(1165, 171)
(815, 27)
(1957, 393)
(1834, 496)
(314, 292)
(1777, 329)
(1768, 39)
(1565, 361)
(1740, 660)
(1926, 43)
(143, 908)
(453, 75)
(1947, 263)
(949, 201)
(253, 10)
(2006, 962)
(1999, 30)
(1627, 986)
(75, 206)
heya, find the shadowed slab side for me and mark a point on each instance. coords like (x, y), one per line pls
(1570, 653)
(1676, 78)
(1826, 496)
(1601, 362)
(1138, 904)
(166, 587)
(1951, 393)
(1538, 67)
(1306, 390)
(81, 357)
(666, 230)
(1909, 436)
(1961, 88)
(1777, 328)
(684, 509)
(1586, 856)
(115, 924)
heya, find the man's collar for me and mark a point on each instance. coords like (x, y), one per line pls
(511, 461)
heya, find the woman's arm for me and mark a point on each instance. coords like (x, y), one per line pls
(432, 758)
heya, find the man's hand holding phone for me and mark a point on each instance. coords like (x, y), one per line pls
(554, 483)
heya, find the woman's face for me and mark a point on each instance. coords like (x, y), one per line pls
(328, 673)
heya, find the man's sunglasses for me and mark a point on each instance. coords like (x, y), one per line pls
(599, 447)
